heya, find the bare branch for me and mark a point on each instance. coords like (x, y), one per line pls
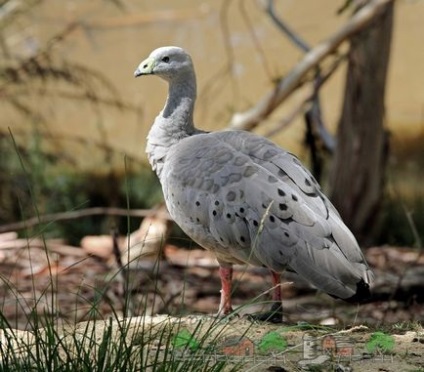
(256, 42)
(297, 40)
(313, 116)
(136, 19)
(251, 118)
(306, 103)
(71, 215)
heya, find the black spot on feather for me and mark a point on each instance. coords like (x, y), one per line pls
(283, 207)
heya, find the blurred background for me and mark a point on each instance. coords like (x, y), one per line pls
(73, 119)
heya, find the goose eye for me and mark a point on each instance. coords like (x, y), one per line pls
(165, 59)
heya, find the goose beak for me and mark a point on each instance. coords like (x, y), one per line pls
(145, 67)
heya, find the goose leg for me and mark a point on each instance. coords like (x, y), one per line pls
(226, 275)
(275, 315)
(276, 283)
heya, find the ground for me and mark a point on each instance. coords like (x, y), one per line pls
(71, 286)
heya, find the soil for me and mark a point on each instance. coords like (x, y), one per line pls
(70, 286)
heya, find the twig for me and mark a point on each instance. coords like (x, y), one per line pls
(225, 30)
(256, 42)
(251, 118)
(313, 115)
(122, 276)
(143, 18)
(306, 103)
(71, 215)
(297, 40)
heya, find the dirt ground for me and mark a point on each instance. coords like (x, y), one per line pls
(71, 286)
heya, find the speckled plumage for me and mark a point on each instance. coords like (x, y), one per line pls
(244, 198)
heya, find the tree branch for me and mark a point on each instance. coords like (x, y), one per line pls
(71, 215)
(313, 116)
(306, 104)
(252, 117)
(295, 39)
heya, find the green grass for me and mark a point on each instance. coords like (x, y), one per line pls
(116, 343)
(113, 345)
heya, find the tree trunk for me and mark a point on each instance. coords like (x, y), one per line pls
(357, 174)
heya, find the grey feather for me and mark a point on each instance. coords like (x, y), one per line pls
(241, 196)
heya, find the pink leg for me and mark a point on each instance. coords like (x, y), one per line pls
(275, 315)
(276, 282)
(226, 274)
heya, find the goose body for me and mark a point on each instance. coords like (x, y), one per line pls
(244, 198)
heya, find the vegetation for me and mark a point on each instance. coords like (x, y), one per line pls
(31, 174)
(112, 345)
(34, 183)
